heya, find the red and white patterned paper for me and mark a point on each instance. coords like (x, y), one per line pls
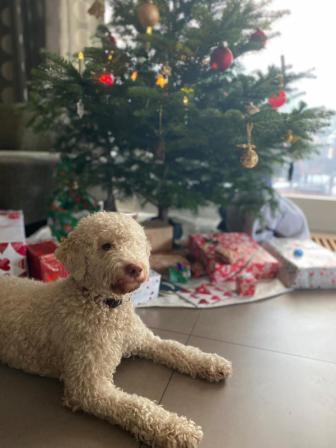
(247, 255)
(315, 269)
(246, 284)
(12, 244)
(148, 290)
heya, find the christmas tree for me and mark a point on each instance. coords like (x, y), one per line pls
(161, 106)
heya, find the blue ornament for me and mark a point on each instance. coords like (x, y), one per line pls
(298, 252)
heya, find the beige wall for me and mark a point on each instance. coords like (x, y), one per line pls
(320, 212)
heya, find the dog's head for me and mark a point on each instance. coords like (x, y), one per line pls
(107, 252)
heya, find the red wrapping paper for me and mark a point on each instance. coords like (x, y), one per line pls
(246, 255)
(246, 284)
(43, 265)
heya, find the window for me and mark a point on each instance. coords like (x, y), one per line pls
(307, 42)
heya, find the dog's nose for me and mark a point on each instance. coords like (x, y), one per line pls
(133, 270)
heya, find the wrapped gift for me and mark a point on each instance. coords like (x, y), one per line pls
(12, 244)
(245, 254)
(43, 265)
(304, 264)
(246, 284)
(52, 269)
(148, 290)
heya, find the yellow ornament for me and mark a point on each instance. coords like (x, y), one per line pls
(81, 63)
(185, 100)
(149, 30)
(187, 90)
(134, 75)
(249, 159)
(161, 81)
(291, 138)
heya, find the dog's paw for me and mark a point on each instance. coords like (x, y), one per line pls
(182, 433)
(214, 368)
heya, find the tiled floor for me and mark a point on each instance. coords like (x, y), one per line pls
(282, 394)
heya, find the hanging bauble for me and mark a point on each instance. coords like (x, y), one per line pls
(148, 14)
(291, 138)
(277, 100)
(97, 9)
(161, 80)
(258, 39)
(221, 58)
(249, 159)
(107, 79)
(134, 75)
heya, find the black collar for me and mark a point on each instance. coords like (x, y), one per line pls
(112, 303)
(109, 301)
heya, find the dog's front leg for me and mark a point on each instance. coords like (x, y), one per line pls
(185, 359)
(146, 420)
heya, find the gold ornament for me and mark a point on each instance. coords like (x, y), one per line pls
(149, 30)
(249, 159)
(161, 81)
(148, 15)
(185, 100)
(134, 75)
(97, 9)
(291, 138)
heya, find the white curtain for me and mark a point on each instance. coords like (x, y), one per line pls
(69, 26)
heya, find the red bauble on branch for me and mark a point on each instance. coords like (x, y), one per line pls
(107, 79)
(258, 39)
(277, 100)
(221, 58)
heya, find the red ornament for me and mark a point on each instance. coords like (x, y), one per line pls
(258, 39)
(277, 100)
(107, 79)
(221, 58)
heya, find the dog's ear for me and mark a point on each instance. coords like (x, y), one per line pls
(70, 253)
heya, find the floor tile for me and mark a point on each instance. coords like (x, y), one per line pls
(301, 323)
(180, 320)
(272, 401)
(31, 414)
(142, 376)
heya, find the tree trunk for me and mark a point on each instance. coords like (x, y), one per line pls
(163, 213)
(110, 202)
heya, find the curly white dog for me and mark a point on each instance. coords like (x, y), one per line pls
(78, 330)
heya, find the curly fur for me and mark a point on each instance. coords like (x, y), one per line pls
(65, 330)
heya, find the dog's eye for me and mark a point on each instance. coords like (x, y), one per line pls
(107, 246)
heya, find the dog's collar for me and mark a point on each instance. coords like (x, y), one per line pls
(110, 302)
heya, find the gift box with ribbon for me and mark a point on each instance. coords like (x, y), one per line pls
(226, 255)
(304, 264)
